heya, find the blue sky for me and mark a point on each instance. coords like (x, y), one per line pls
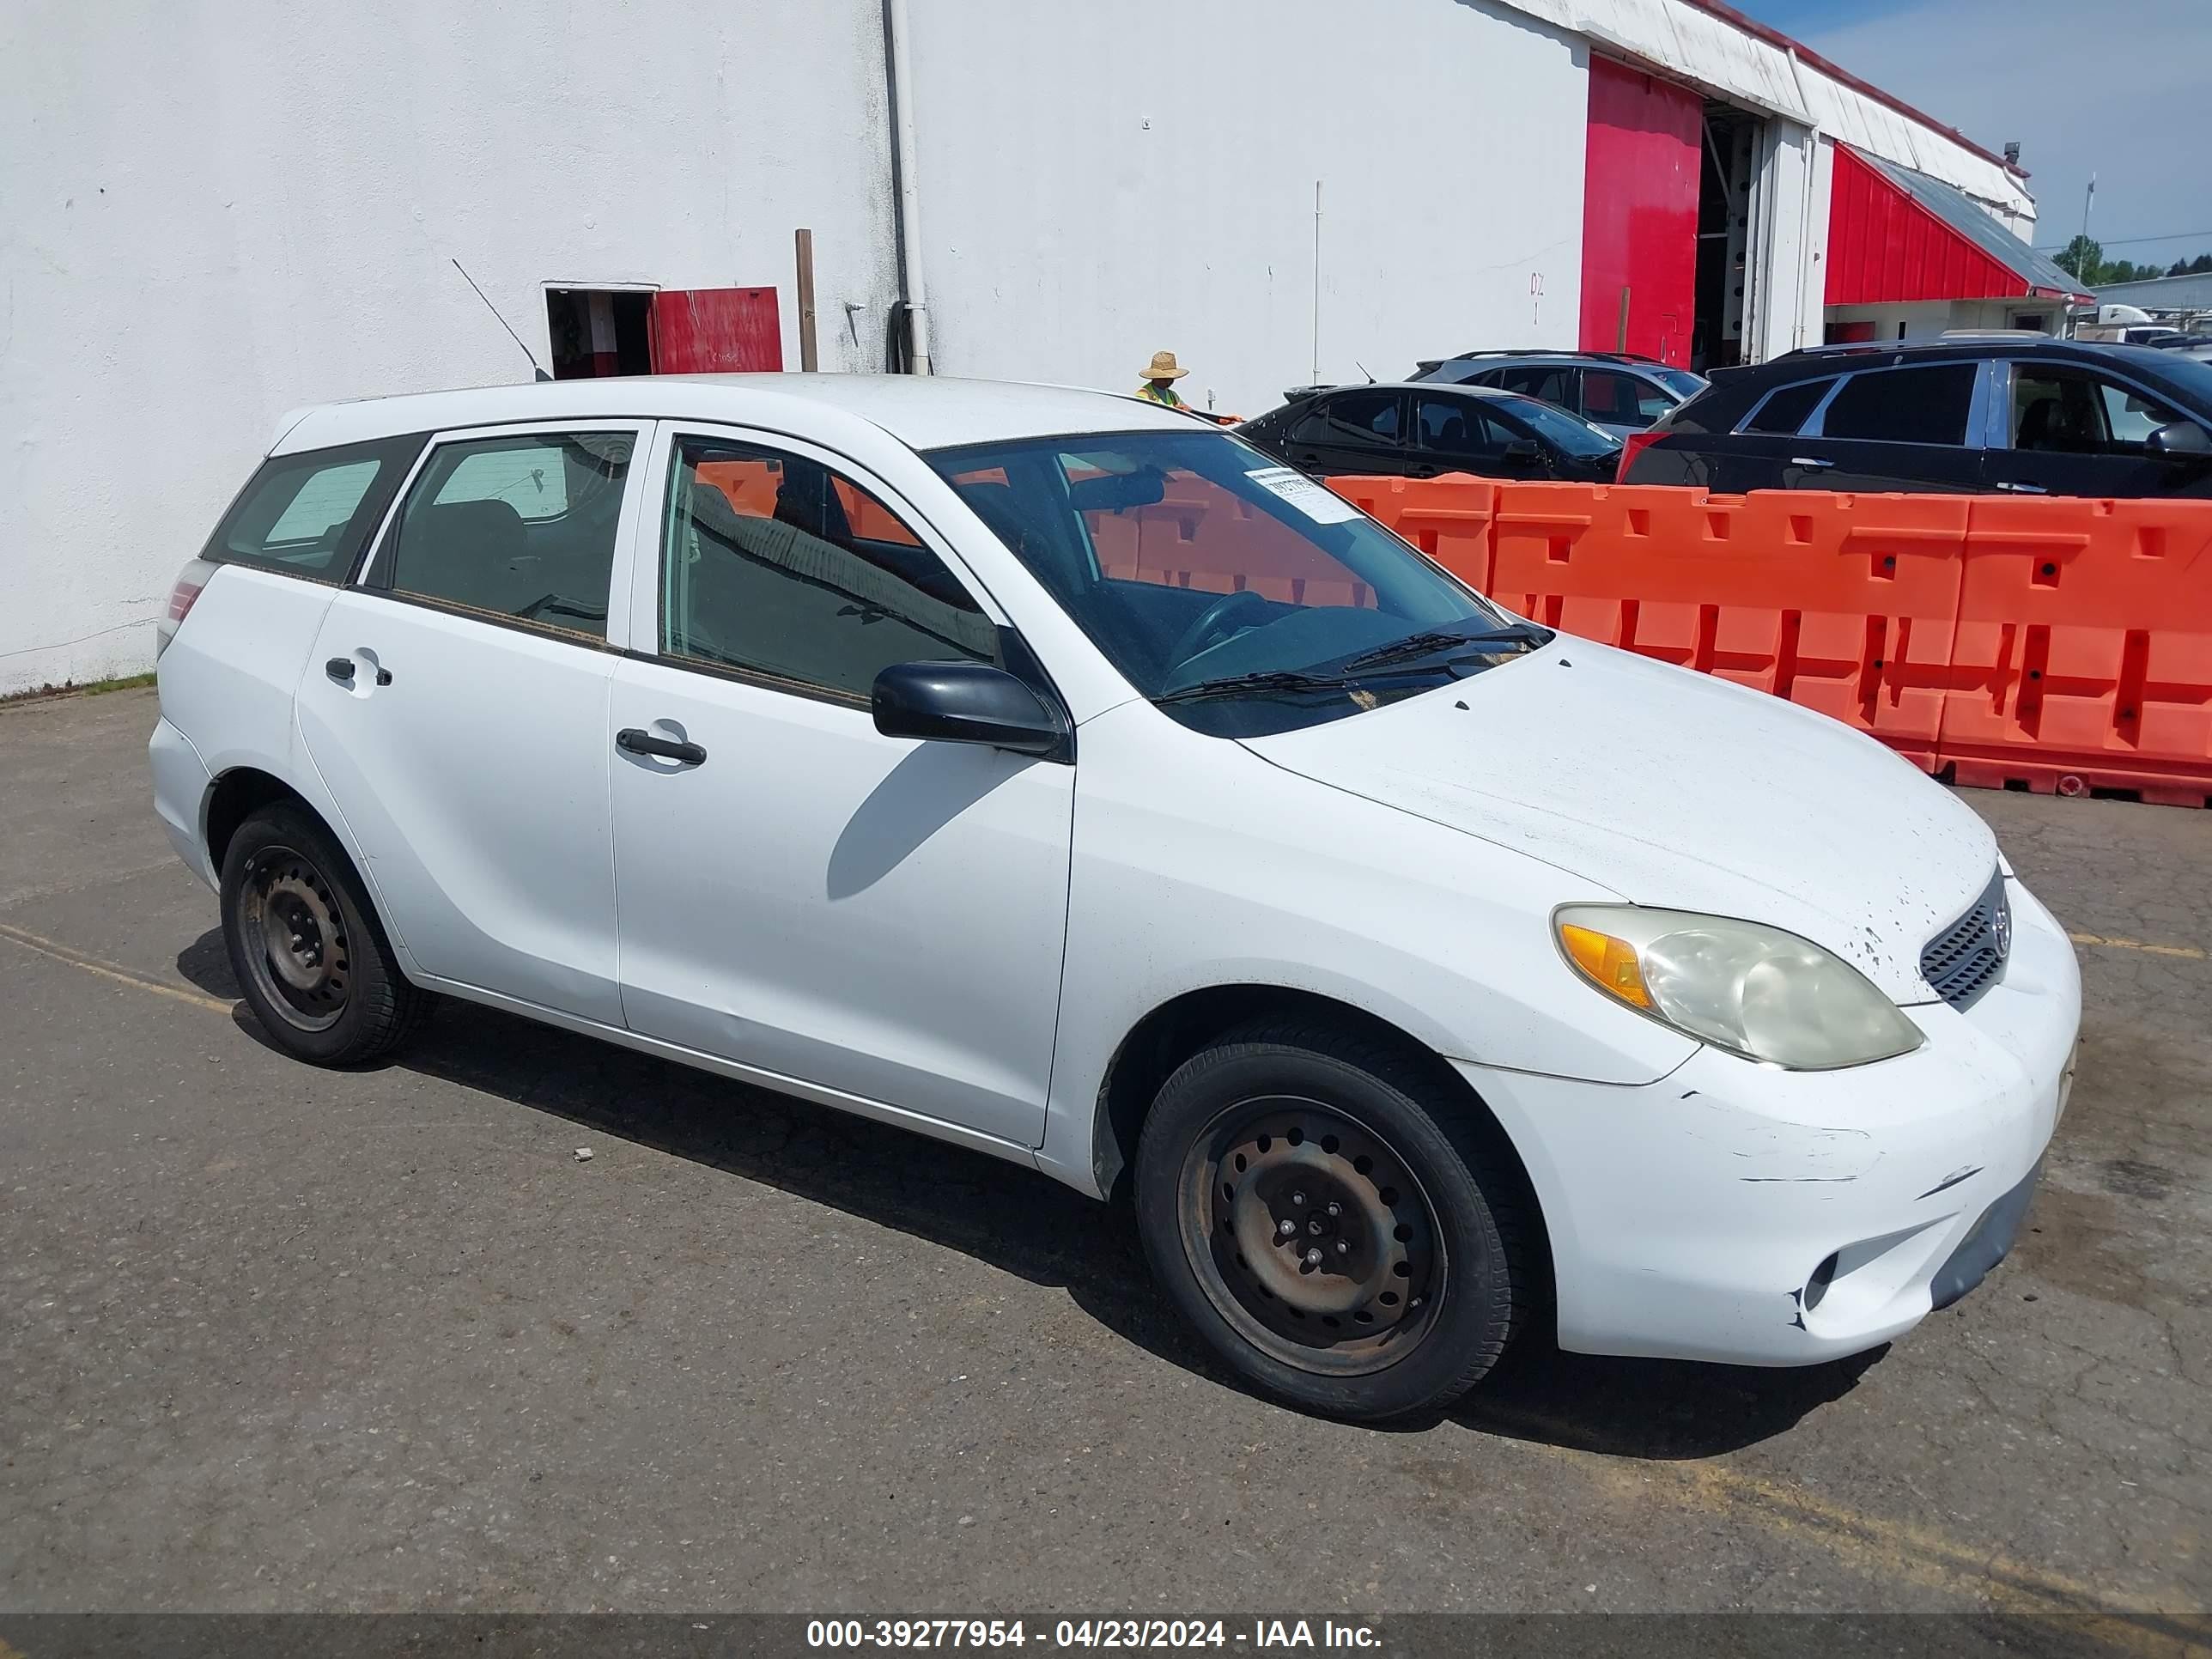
(2120, 88)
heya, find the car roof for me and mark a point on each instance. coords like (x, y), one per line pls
(1448, 388)
(1611, 359)
(2008, 345)
(922, 411)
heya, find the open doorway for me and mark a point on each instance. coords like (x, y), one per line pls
(1728, 182)
(598, 331)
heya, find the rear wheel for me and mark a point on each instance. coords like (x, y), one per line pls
(305, 946)
(1338, 1224)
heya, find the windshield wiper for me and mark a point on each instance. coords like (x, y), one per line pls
(1526, 635)
(1259, 684)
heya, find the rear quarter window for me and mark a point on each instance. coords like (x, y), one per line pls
(309, 514)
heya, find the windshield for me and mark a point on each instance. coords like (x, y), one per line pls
(1569, 432)
(1244, 597)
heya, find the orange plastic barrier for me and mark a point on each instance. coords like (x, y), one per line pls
(2049, 643)
(1449, 518)
(1844, 603)
(2084, 655)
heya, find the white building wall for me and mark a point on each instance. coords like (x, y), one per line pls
(210, 213)
(1103, 182)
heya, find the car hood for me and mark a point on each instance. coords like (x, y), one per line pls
(1675, 790)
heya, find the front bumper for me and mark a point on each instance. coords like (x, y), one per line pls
(1741, 1213)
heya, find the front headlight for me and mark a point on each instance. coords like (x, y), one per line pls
(1753, 990)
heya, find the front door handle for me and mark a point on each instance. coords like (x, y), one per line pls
(632, 741)
(2017, 488)
(1811, 462)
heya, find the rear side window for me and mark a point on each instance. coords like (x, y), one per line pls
(520, 527)
(1784, 413)
(309, 515)
(1904, 405)
(1551, 383)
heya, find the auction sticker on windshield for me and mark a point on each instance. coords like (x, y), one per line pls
(1317, 501)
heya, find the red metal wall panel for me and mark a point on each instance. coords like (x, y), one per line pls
(1885, 248)
(1640, 212)
(715, 331)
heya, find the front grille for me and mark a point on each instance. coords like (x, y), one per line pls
(1964, 959)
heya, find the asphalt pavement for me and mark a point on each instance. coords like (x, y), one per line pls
(282, 1339)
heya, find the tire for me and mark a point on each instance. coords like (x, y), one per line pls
(1397, 1301)
(306, 946)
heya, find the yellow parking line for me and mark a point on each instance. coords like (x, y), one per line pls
(92, 964)
(2188, 953)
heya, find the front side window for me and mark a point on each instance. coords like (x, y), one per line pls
(772, 565)
(309, 515)
(1194, 562)
(519, 528)
(1457, 425)
(1904, 405)
(2131, 417)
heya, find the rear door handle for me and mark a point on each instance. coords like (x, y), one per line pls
(1811, 461)
(340, 669)
(2012, 488)
(632, 741)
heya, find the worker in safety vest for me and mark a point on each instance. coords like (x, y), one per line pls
(1160, 379)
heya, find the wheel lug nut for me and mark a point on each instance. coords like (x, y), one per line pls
(1313, 1257)
(1285, 1228)
(1343, 1248)
(1334, 1208)
(1298, 1198)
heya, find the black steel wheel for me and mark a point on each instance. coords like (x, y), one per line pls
(1339, 1223)
(1312, 1235)
(294, 931)
(305, 944)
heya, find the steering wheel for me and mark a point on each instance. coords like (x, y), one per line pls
(1212, 620)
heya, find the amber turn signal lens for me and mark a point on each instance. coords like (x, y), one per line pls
(1610, 961)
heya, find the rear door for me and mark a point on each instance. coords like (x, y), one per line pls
(1361, 430)
(873, 916)
(1910, 428)
(456, 705)
(2068, 430)
(1766, 451)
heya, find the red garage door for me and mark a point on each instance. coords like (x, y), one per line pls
(1640, 212)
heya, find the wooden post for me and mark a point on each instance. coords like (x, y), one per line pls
(803, 240)
(1621, 339)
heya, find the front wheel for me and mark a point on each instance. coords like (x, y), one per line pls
(1338, 1224)
(305, 946)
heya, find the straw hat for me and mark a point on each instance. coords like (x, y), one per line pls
(1164, 367)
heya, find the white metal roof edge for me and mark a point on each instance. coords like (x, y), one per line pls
(1706, 50)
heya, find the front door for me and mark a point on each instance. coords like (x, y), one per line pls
(455, 704)
(2074, 432)
(799, 894)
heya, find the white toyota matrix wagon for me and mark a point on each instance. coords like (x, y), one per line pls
(1058, 775)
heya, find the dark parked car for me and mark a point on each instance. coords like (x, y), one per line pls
(1620, 392)
(1421, 431)
(2030, 418)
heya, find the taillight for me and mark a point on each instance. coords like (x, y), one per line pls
(1634, 445)
(190, 580)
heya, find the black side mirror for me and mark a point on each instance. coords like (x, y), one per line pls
(2179, 438)
(968, 702)
(1526, 451)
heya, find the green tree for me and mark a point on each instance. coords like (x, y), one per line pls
(2083, 260)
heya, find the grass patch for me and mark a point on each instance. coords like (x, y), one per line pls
(92, 689)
